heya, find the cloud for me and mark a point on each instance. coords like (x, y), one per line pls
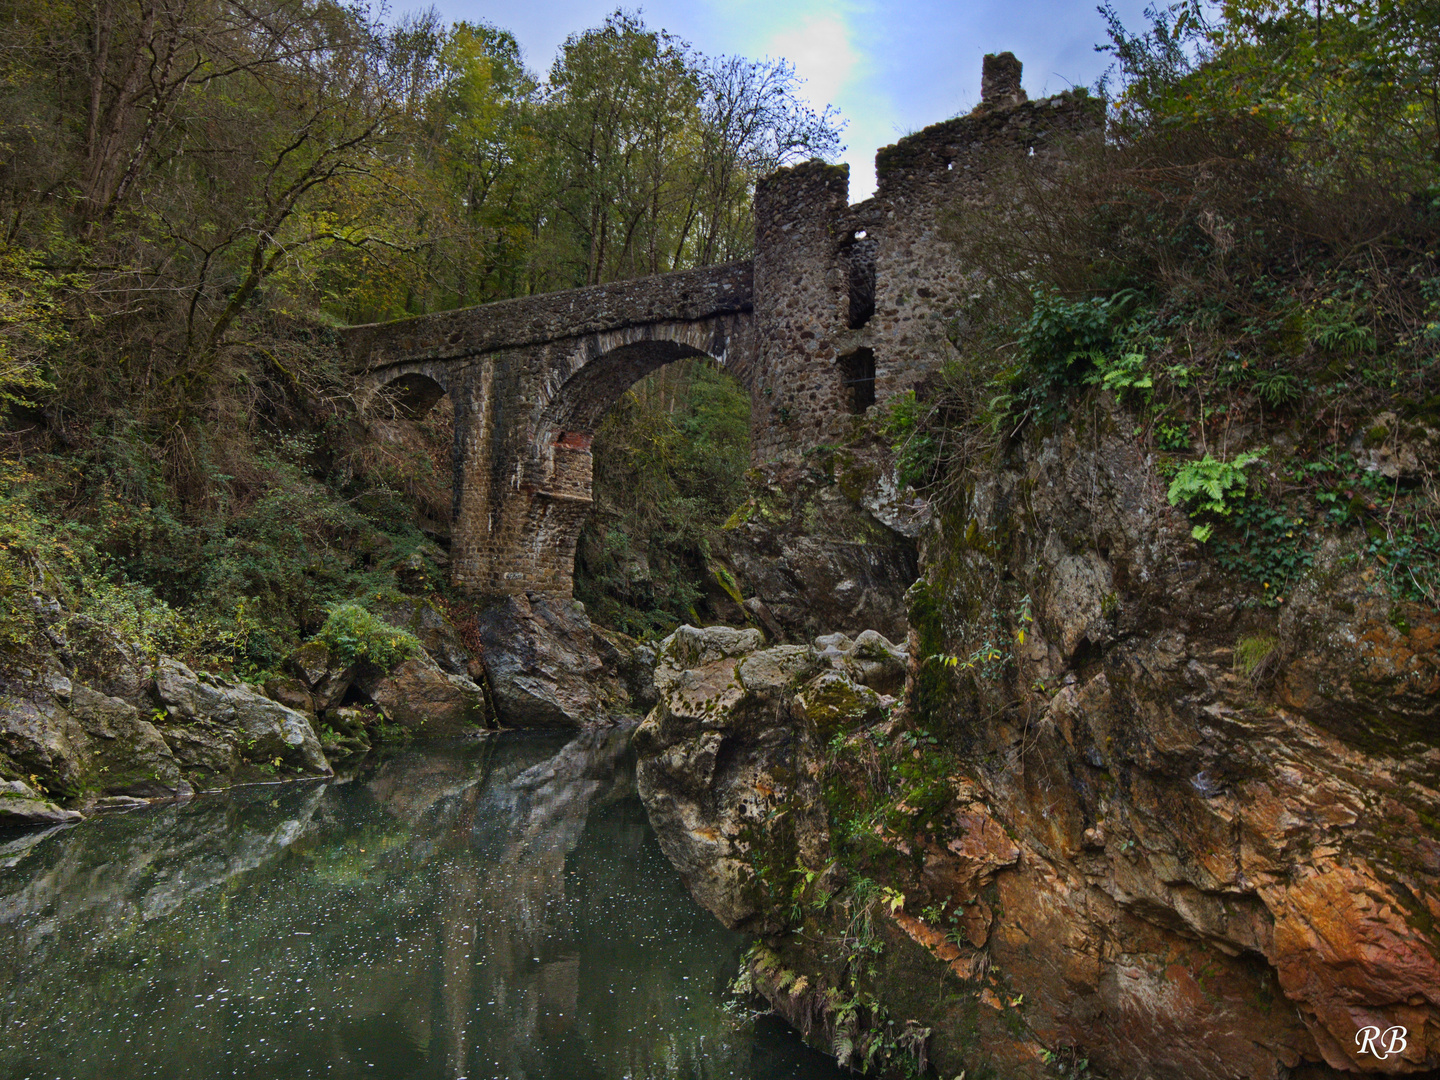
(820, 49)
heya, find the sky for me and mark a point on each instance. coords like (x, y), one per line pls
(890, 66)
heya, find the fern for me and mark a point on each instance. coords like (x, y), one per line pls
(1210, 486)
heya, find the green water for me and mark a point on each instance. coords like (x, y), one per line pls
(487, 909)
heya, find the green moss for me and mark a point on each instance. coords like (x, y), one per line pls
(727, 582)
(855, 481)
(829, 705)
(1251, 652)
(1398, 619)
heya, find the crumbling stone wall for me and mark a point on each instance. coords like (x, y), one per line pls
(819, 261)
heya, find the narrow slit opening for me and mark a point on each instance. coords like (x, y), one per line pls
(862, 280)
(857, 372)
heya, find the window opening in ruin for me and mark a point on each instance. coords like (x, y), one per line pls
(862, 280)
(857, 372)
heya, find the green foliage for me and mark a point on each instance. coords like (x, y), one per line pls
(1209, 486)
(670, 461)
(1352, 80)
(1059, 342)
(1066, 343)
(1121, 373)
(1252, 652)
(916, 443)
(1267, 545)
(354, 635)
(49, 566)
(32, 322)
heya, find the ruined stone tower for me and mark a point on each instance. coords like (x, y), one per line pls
(855, 305)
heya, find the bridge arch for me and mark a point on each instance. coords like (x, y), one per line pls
(558, 474)
(605, 366)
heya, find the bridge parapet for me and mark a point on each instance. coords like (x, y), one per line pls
(532, 320)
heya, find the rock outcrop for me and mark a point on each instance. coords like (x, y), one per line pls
(81, 741)
(544, 667)
(218, 724)
(824, 544)
(727, 759)
(1134, 816)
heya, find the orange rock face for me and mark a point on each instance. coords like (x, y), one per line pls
(1116, 848)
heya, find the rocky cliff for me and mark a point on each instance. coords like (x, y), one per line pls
(1135, 818)
(89, 719)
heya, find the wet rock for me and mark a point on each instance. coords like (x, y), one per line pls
(216, 723)
(1169, 861)
(127, 754)
(1398, 449)
(119, 803)
(870, 660)
(20, 804)
(324, 676)
(543, 666)
(425, 700)
(831, 700)
(106, 662)
(87, 742)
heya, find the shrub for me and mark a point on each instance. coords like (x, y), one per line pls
(914, 439)
(355, 635)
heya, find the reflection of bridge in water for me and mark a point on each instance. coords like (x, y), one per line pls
(486, 909)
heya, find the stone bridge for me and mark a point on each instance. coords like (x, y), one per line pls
(844, 308)
(530, 380)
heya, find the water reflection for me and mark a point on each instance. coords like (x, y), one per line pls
(474, 910)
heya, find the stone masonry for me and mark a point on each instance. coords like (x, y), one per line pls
(843, 309)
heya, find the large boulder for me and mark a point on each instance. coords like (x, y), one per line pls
(83, 742)
(425, 700)
(543, 666)
(726, 764)
(218, 724)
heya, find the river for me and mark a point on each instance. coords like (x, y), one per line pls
(489, 908)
